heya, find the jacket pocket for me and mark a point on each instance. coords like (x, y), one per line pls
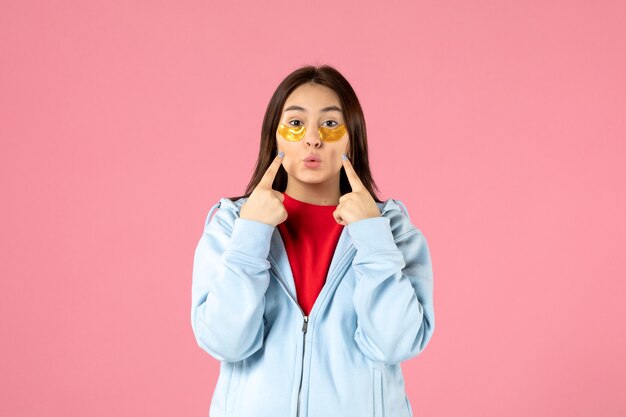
(379, 401)
(231, 389)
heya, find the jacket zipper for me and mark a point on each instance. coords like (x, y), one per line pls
(305, 318)
(305, 321)
(304, 326)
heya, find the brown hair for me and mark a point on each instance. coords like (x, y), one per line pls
(353, 116)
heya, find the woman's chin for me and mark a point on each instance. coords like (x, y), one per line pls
(312, 177)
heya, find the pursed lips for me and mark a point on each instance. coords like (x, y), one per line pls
(312, 158)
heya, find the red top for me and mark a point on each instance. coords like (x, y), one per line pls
(310, 234)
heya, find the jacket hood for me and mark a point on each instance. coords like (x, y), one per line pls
(384, 207)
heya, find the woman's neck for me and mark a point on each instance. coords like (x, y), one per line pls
(325, 194)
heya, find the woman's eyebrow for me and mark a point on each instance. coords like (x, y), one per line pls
(325, 109)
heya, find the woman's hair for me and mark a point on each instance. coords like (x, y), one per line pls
(353, 118)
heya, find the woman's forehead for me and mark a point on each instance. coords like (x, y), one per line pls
(328, 109)
(312, 97)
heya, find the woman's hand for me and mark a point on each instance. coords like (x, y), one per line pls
(358, 204)
(266, 204)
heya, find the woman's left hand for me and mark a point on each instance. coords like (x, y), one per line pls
(356, 205)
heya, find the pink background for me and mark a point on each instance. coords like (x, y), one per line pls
(499, 124)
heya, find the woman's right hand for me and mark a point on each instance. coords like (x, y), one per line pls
(264, 203)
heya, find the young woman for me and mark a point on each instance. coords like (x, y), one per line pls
(309, 289)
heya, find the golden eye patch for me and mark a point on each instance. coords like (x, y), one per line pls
(291, 133)
(327, 134)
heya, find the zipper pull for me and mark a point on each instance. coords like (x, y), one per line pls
(304, 325)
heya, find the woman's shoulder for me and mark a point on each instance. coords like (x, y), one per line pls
(234, 204)
(393, 206)
(225, 209)
(398, 214)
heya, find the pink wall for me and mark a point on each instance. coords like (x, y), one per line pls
(499, 124)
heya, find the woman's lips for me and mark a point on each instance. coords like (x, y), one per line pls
(312, 164)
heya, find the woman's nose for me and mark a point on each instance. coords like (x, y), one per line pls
(312, 137)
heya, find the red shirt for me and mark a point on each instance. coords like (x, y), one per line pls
(310, 234)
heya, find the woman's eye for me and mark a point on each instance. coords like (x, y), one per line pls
(331, 121)
(294, 121)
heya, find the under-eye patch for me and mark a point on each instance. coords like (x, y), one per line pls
(327, 134)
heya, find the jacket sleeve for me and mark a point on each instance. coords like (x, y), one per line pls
(393, 295)
(230, 277)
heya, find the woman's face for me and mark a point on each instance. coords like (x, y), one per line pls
(312, 106)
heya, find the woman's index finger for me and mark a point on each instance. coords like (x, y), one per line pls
(270, 173)
(353, 177)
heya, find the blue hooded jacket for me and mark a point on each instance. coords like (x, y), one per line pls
(374, 311)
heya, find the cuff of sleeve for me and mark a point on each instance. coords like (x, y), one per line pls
(372, 235)
(251, 237)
